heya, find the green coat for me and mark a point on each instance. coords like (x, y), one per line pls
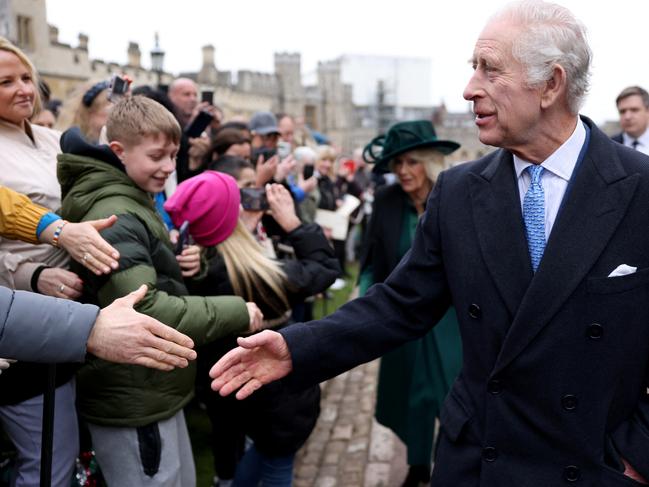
(414, 378)
(129, 395)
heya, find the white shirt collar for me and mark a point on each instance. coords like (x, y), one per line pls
(643, 139)
(562, 161)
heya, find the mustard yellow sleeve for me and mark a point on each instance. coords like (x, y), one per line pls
(19, 217)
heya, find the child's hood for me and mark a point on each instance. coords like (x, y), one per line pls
(73, 142)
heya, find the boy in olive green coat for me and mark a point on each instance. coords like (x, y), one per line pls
(135, 414)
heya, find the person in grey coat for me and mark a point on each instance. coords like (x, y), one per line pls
(41, 328)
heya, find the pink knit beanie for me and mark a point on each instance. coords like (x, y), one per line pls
(210, 202)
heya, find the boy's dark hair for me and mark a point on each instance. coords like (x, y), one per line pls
(156, 95)
(234, 125)
(231, 165)
(136, 117)
(226, 138)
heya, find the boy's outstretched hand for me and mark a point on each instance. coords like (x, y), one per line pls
(258, 360)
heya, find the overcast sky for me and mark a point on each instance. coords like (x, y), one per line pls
(247, 33)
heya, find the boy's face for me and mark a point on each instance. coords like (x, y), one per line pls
(148, 163)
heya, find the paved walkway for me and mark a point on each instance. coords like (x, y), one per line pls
(348, 448)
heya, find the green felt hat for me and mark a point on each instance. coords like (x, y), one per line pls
(403, 137)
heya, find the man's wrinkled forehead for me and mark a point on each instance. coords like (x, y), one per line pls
(495, 40)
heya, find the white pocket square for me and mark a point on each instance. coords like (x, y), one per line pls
(622, 270)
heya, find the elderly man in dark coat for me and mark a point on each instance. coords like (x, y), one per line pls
(541, 247)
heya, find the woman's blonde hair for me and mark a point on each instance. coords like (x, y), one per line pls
(249, 269)
(74, 113)
(6, 45)
(327, 152)
(433, 161)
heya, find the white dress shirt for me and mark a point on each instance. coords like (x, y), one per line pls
(643, 141)
(557, 171)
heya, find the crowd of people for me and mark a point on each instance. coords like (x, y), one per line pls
(211, 228)
(215, 228)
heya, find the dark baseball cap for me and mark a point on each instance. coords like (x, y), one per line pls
(263, 123)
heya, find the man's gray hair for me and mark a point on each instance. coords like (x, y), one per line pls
(305, 154)
(551, 35)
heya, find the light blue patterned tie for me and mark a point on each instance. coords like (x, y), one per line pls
(534, 215)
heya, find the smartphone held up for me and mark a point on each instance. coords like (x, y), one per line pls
(254, 199)
(183, 238)
(199, 124)
(118, 87)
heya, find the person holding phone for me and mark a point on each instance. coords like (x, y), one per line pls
(306, 158)
(183, 93)
(277, 421)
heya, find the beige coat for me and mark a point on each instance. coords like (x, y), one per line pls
(28, 166)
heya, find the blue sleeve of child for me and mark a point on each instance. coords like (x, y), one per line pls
(298, 192)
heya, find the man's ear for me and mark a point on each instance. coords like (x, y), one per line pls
(555, 88)
(117, 148)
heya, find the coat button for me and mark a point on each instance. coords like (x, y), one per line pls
(595, 331)
(569, 402)
(474, 311)
(489, 454)
(571, 473)
(494, 386)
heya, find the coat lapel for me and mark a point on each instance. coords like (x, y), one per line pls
(498, 221)
(592, 211)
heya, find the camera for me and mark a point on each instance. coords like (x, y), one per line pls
(254, 199)
(265, 152)
(118, 88)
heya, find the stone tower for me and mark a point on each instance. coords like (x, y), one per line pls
(134, 55)
(208, 75)
(289, 79)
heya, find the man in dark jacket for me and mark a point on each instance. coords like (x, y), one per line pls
(633, 107)
(542, 249)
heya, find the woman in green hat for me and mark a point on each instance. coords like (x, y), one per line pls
(413, 379)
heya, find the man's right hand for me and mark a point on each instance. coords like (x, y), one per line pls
(123, 335)
(258, 360)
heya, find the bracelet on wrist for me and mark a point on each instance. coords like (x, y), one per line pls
(57, 232)
(46, 220)
(35, 275)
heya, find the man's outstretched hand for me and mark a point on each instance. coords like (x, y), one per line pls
(258, 360)
(124, 336)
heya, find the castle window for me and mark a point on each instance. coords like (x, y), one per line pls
(310, 116)
(25, 37)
